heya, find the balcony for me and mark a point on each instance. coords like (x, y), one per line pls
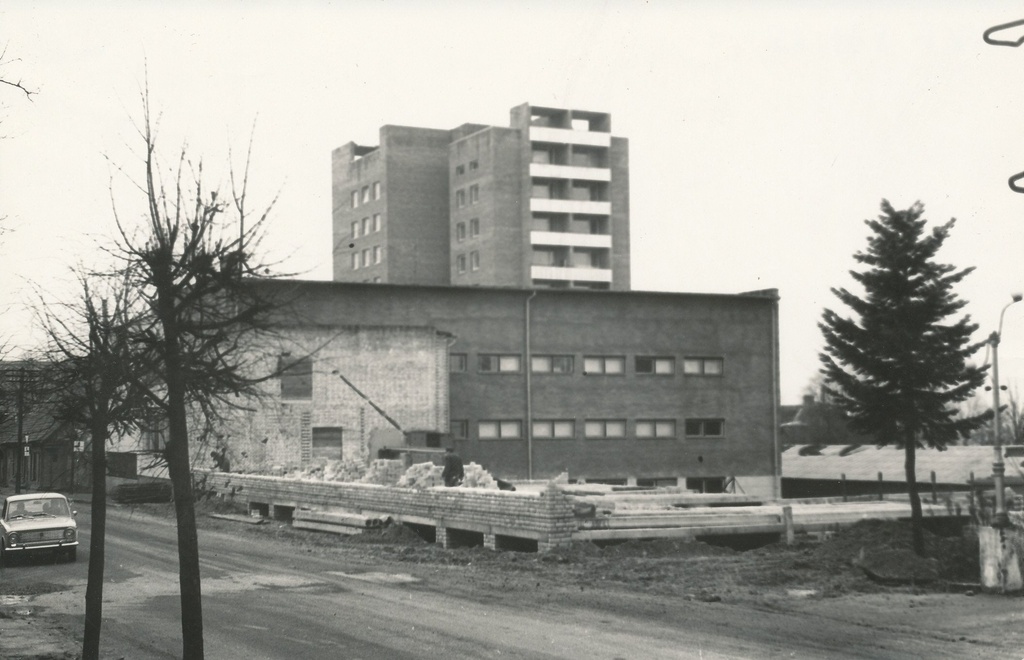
(570, 206)
(570, 239)
(571, 274)
(569, 136)
(570, 172)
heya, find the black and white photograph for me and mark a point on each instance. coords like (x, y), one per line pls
(604, 329)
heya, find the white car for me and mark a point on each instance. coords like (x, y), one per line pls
(32, 522)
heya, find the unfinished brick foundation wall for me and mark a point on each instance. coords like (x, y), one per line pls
(545, 517)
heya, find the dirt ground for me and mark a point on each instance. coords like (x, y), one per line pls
(866, 572)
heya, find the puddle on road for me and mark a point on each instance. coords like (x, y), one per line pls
(378, 578)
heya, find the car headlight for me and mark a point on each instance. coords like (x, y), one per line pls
(12, 538)
(69, 534)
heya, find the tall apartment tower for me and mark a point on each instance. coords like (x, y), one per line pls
(542, 203)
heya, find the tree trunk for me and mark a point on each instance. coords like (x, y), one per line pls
(178, 464)
(916, 517)
(97, 542)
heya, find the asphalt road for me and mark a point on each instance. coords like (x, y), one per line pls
(273, 599)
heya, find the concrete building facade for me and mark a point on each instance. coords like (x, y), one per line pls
(543, 203)
(617, 387)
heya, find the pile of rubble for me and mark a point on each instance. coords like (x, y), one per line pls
(421, 475)
(428, 475)
(386, 472)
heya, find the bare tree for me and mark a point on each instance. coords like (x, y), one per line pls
(189, 264)
(18, 84)
(92, 364)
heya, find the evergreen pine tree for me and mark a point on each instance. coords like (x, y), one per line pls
(898, 366)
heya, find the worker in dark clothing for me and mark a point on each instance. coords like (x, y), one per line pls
(453, 473)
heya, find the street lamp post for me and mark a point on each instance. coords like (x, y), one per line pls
(1000, 519)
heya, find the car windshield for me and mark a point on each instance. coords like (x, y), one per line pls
(38, 508)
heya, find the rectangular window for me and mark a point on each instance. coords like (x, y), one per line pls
(505, 428)
(460, 170)
(376, 254)
(457, 363)
(366, 194)
(473, 165)
(376, 280)
(705, 428)
(366, 226)
(605, 428)
(474, 194)
(355, 260)
(703, 366)
(460, 263)
(296, 378)
(460, 231)
(366, 257)
(554, 428)
(655, 428)
(376, 190)
(594, 365)
(355, 229)
(376, 222)
(542, 156)
(474, 227)
(541, 191)
(355, 199)
(499, 364)
(459, 428)
(460, 198)
(474, 261)
(551, 364)
(327, 442)
(660, 366)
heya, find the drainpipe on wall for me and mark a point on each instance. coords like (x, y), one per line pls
(776, 455)
(528, 368)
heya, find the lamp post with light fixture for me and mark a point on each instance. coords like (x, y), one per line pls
(1000, 518)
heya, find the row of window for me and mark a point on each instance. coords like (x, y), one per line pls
(368, 257)
(460, 196)
(460, 229)
(609, 365)
(363, 195)
(473, 260)
(495, 429)
(461, 169)
(367, 225)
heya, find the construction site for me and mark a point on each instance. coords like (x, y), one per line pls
(542, 515)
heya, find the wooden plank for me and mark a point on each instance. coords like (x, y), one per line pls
(675, 532)
(325, 527)
(678, 520)
(339, 518)
(249, 520)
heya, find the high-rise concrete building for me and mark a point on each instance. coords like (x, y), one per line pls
(542, 203)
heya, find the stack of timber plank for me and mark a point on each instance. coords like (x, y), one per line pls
(337, 521)
(634, 522)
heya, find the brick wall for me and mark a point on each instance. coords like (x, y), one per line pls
(546, 517)
(402, 369)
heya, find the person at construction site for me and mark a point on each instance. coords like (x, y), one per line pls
(453, 472)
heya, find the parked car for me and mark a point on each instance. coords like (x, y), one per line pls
(34, 522)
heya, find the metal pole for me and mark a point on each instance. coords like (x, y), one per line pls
(19, 458)
(1000, 519)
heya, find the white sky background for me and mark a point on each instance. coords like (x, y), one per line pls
(761, 134)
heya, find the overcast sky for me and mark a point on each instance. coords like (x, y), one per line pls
(761, 134)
